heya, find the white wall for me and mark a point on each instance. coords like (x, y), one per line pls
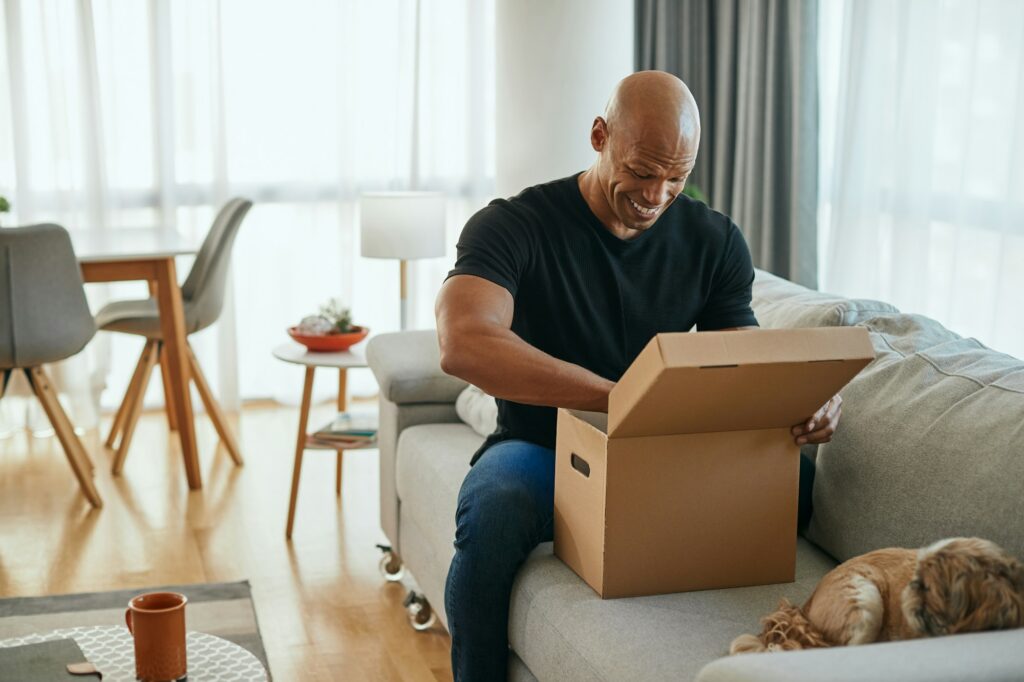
(557, 62)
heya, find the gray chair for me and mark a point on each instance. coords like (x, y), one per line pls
(203, 299)
(44, 318)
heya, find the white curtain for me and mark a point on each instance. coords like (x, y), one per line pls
(923, 160)
(151, 114)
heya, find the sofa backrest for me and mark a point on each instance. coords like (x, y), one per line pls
(931, 445)
(931, 442)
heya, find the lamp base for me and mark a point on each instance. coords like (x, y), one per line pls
(403, 293)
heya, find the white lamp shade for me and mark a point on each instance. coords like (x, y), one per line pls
(403, 225)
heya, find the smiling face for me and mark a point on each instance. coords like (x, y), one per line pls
(647, 145)
(642, 175)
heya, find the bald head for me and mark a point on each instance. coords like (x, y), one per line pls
(646, 146)
(654, 103)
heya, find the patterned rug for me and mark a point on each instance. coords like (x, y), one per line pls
(221, 609)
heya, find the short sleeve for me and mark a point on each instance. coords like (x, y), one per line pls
(728, 304)
(493, 245)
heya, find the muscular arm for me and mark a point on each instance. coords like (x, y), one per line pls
(474, 320)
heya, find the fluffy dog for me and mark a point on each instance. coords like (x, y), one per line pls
(955, 585)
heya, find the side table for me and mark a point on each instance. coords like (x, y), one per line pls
(343, 361)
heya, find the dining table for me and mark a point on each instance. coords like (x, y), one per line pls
(148, 254)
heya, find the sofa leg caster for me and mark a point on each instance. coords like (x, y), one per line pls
(421, 616)
(391, 565)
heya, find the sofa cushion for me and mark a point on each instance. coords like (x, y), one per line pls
(931, 445)
(432, 460)
(781, 304)
(478, 410)
(563, 631)
(558, 625)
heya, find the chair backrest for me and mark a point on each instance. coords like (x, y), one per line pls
(44, 316)
(203, 290)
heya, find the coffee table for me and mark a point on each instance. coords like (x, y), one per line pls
(111, 649)
(342, 361)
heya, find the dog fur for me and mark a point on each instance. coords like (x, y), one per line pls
(955, 585)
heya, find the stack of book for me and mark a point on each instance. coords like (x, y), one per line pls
(347, 430)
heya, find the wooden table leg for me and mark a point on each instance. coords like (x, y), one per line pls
(165, 376)
(342, 406)
(300, 448)
(172, 323)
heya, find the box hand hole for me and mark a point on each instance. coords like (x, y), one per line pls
(580, 465)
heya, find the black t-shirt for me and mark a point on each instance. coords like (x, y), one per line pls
(587, 297)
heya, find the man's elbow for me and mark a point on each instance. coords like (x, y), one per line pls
(453, 356)
(449, 364)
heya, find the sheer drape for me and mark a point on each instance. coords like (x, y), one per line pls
(144, 114)
(923, 187)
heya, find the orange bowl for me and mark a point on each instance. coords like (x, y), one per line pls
(328, 343)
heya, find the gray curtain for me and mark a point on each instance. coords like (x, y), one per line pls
(752, 66)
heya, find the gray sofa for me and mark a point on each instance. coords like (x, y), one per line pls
(931, 445)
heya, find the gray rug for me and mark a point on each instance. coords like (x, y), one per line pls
(221, 609)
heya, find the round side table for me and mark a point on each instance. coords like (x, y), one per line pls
(112, 649)
(343, 361)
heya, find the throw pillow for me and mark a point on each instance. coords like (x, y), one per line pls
(781, 304)
(478, 410)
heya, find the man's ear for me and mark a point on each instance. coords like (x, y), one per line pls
(599, 134)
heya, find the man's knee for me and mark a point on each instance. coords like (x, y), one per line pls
(499, 512)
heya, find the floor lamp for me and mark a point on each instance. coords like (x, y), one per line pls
(403, 226)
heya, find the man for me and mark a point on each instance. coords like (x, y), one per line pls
(553, 295)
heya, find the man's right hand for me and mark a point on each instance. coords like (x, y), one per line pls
(474, 320)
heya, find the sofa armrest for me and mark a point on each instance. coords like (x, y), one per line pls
(413, 390)
(394, 419)
(985, 656)
(407, 366)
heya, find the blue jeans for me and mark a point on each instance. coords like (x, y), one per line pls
(506, 508)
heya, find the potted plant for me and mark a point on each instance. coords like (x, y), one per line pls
(330, 330)
(5, 206)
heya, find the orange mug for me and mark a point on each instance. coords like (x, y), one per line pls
(157, 623)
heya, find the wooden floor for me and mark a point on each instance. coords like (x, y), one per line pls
(324, 610)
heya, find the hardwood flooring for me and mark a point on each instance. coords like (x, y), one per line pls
(325, 612)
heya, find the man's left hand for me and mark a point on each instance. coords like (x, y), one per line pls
(821, 425)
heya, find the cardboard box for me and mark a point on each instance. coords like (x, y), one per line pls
(690, 481)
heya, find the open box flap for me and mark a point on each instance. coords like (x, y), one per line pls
(734, 381)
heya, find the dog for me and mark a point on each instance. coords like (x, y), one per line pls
(955, 585)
